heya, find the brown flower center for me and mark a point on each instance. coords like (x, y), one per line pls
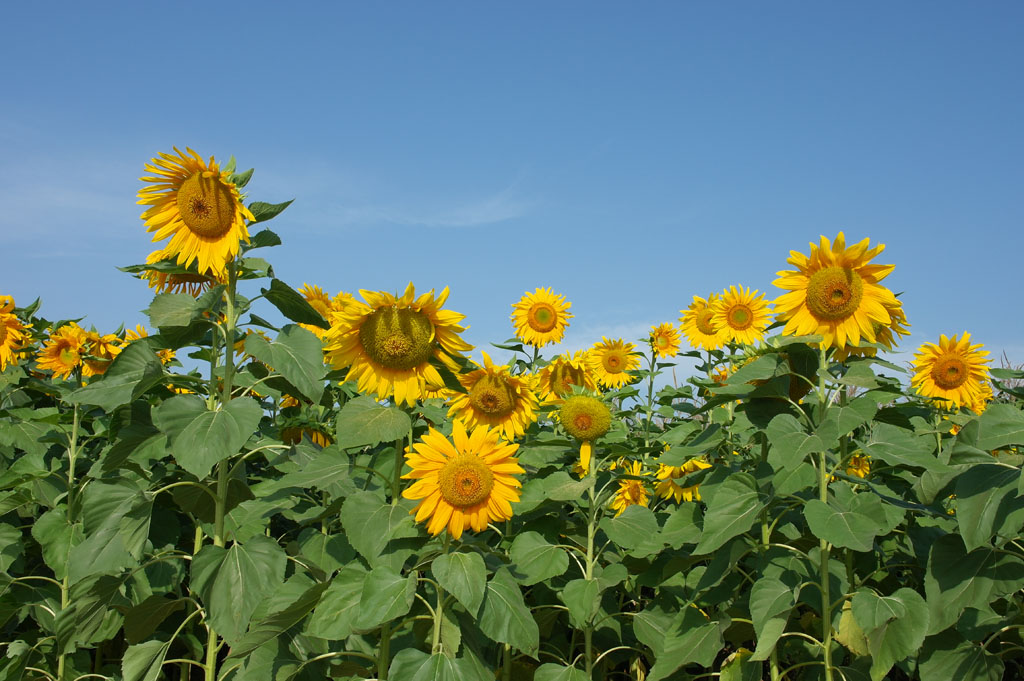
(206, 206)
(950, 373)
(493, 396)
(740, 317)
(834, 293)
(613, 362)
(400, 339)
(703, 322)
(542, 317)
(465, 481)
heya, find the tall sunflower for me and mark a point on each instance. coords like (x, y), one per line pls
(742, 315)
(953, 370)
(189, 281)
(835, 293)
(586, 418)
(13, 337)
(668, 488)
(610, 360)
(631, 492)
(496, 398)
(698, 326)
(665, 340)
(541, 317)
(557, 379)
(387, 342)
(100, 352)
(466, 482)
(195, 205)
(62, 352)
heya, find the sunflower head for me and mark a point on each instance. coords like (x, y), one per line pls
(698, 325)
(954, 370)
(541, 317)
(834, 292)
(100, 350)
(631, 492)
(63, 350)
(13, 337)
(557, 379)
(172, 278)
(196, 206)
(859, 465)
(496, 398)
(742, 315)
(610, 360)
(668, 487)
(319, 301)
(665, 340)
(585, 418)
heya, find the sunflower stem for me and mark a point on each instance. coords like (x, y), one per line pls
(436, 646)
(650, 400)
(384, 656)
(588, 630)
(823, 475)
(65, 585)
(766, 540)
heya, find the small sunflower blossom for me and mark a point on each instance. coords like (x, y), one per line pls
(742, 315)
(139, 332)
(586, 419)
(13, 333)
(954, 370)
(665, 340)
(557, 379)
(62, 352)
(697, 324)
(835, 293)
(319, 301)
(610, 360)
(667, 486)
(541, 317)
(859, 465)
(496, 398)
(631, 492)
(100, 352)
(462, 483)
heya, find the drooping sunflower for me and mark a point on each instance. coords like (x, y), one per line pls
(665, 340)
(541, 317)
(190, 282)
(388, 342)
(586, 419)
(195, 205)
(496, 398)
(953, 370)
(742, 315)
(13, 337)
(100, 352)
(166, 355)
(698, 326)
(885, 335)
(557, 379)
(631, 492)
(466, 482)
(62, 352)
(610, 360)
(835, 292)
(668, 488)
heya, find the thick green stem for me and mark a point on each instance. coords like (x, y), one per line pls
(650, 401)
(588, 630)
(506, 663)
(436, 646)
(766, 540)
(384, 656)
(823, 568)
(65, 585)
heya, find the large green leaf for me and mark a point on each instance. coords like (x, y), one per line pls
(201, 438)
(682, 526)
(770, 604)
(335, 615)
(583, 598)
(275, 624)
(852, 526)
(535, 559)
(987, 504)
(950, 656)
(895, 626)
(232, 582)
(463, 575)
(297, 354)
(386, 595)
(560, 486)
(371, 524)
(504, 616)
(556, 672)
(1000, 425)
(134, 371)
(731, 512)
(172, 309)
(292, 305)
(898, 447)
(843, 419)
(364, 422)
(791, 443)
(143, 619)
(694, 640)
(415, 665)
(57, 537)
(635, 526)
(143, 662)
(262, 211)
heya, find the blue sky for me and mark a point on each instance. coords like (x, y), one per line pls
(629, 155)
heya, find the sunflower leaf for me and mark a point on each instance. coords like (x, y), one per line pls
(292, 305)
(261, 212)
(296, 354)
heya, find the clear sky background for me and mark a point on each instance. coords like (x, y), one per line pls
(629, 155)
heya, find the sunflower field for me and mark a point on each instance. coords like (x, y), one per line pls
(348, 496)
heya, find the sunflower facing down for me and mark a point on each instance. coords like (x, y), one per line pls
(665, 340)
(496, 398)
(466, 482)
(191, 282)
(319, 301)
(742, 315)
(610, 360)
(557, 379)
(387, 342)
(668, 488)
(195, 205)
(62, 352)
(100, 351)
(586, 419)
(631, 492)
(698, 325)
(835, 293)
(541, 317)
(953, 370)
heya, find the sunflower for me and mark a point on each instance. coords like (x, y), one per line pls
(6, 304)
(697, 324)
(586, 419)
(668, 488)
(835, 293)
(980, 403)
(197, 207)
(62, 352)
(319, 301)
(885, 335)
(742, 315)
(557, 379)
(631, 492)
(665, 340)
(190, 282)
(100, 352)
(953, 370)
(496, 398)
(541, 317)
(12, 337)
(463, 482)
(166, 355)
(610, 360)
(859, 466)
(388, 342)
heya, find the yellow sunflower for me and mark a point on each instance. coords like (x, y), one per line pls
(665, 340)
(319, 301)
(586, 419)
(100, 352)
(834, 292)
(388, 342)
(668, 488)
(859, 466)
(195, 205)
(190, 282)
(885, 335)
(953, 370)
(541, 317)
(742, 315)
(557, 379)
(631, 492)
(698, 326)
(166, 356)
(12, 337)
(610, 360)
(496, 398)
(465, 482)
(62, 352)
(6, 304)
(980, 402)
